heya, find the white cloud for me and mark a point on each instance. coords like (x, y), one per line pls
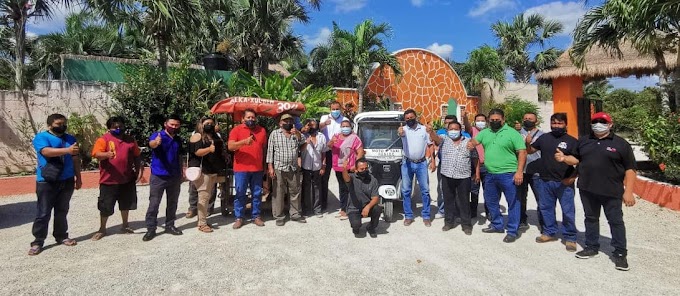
(443, 50)
(633, 83)
(567, 13)
(321, 37)
(56, 22)
(417, 3)
(348, 5)
(486, 6)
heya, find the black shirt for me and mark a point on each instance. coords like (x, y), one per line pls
(361, 191)
(214, 162)
(603, 164)
(549, 168)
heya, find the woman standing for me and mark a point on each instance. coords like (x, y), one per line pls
(345, 146)
(206, 150)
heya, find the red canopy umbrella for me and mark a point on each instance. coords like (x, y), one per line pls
(263, 107)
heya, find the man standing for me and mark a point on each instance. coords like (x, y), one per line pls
(313, 167)
(606, 169)
(282, 160)
(364, 198)
(455, 165)
(556, 182)
(166, 176)
(331, 126)
(119, 169)
(57, 175)
(505, 154)
(248, 141)
(531, 133)
(478, 179)
(416, 140)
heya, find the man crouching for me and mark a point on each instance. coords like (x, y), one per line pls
(363, 202)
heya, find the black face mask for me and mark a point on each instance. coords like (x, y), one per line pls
(558, 131)
(287, 126)
(496, 125)
(209, 128)
(59, 129)
(250, 123)
(411, 122)
(528, 124)
(363, 175)
(312, 131)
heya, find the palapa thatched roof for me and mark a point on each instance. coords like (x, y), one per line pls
(599, 63)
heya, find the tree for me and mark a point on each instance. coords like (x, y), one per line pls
(517, 37)
(483, 62)
(650, 26)
(597, 89)
(361, 49)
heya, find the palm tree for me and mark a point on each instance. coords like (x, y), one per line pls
(483, 62)
(360, 49)
(517, 37)
(597, 89)
(652, 29)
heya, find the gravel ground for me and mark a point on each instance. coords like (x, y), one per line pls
(323, 257)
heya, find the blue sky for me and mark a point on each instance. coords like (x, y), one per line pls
(450, 28)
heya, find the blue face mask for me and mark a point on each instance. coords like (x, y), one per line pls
(346, 130)
(454, 134)
(116, 132)
(335, 113)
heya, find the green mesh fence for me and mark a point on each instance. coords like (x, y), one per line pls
(107, 71)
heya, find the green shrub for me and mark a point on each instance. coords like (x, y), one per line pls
(86, 129)
(629, 109)
(514, 108)
(660, 138)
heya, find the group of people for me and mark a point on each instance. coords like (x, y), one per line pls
(299, 159)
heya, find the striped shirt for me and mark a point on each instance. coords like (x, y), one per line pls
(283, 151)
(456, 159)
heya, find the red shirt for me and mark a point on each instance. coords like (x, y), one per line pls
(249, 158)
(119, 169)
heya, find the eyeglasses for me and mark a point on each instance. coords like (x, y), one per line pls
(599, 120)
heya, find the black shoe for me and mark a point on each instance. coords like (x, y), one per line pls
(621, 262)
(173, 230)
(587, 254)
(448, 227)
(149, 235)
(280, 222)
(523, 227)
(299, 219)
(490, 229)
(371, 232)
(467, 230)
(509, 239)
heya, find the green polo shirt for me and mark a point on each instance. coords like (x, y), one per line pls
(500, 149)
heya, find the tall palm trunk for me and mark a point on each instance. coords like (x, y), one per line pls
(676, 81)
(361, 85)
(162, 53)
(663, 80)
(19, 63)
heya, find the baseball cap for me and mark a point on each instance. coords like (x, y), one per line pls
(286, 116)
(601, 115)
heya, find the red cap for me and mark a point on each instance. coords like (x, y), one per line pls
(601, 115)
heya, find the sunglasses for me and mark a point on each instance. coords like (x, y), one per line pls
(599, 121)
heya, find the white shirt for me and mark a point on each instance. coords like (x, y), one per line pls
(311, 155)
(332, 129)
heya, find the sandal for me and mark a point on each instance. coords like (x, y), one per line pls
(69, 242)
(127, 229)
(35, 250)
(205, 228)
(99, 235)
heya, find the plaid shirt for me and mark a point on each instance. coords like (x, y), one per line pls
(283, 151)
(456, 159)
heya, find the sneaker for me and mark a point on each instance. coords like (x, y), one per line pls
(621, 262)
(439, 216)
(545, 238)
(587, 254)
(571, 246)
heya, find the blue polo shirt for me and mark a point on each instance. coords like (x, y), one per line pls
(49, 140)
(165, 160)
(415, 142)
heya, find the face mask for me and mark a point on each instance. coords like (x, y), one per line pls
(480, 125)
(59, 129)
(313, 130)
(171, 130)
(558, 131)
(528, 124)
(335, 113)
(346, 130)
(411, 122)
(363, 175)
(250, 123)
(287, 126)
(600, 128)
(208, 128)
(454, 134)
(495, 125)
(116, 132)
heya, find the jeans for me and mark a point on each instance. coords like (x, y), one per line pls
(193, 199)
(344, 191)
(157, 186)
(408, 170)
(523, 191)
(245, 180)
(323, 183)
(592, 203)
(494, 184)
(474, 193)
(551, 192)
(52, 195)
(311, 201)
(457, 200)
(355, 219)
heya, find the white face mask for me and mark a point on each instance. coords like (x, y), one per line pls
(480, 124)
(600, 128)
